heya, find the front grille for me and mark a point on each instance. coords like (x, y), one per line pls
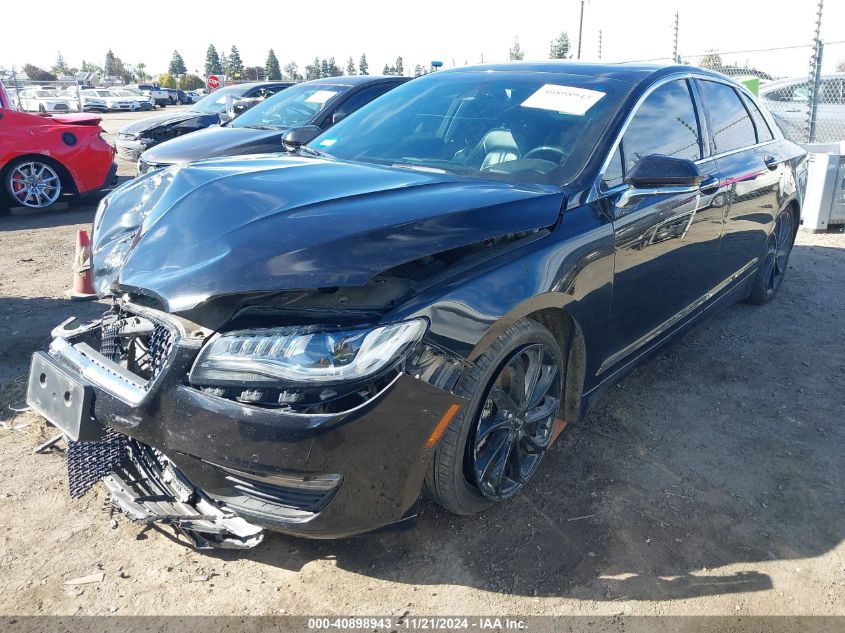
(138, 344)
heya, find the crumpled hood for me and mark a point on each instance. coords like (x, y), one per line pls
(213, 142)
(153, 122)
(270, 223)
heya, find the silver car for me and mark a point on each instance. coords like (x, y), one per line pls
(789, 102)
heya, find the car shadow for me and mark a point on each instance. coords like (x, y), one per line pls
(720, 456)
(717, 457)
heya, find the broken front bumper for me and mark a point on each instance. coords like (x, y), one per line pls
(318, 475)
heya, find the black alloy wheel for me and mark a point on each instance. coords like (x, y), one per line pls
(775, 259)
(515, 424)
(513, 393)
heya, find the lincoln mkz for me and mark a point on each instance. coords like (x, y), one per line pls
(415, 302)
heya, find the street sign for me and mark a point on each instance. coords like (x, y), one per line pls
(213, 82)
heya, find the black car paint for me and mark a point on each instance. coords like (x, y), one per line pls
(228, 140)
(571, 253)
(157, 129)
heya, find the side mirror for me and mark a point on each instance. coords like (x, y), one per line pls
(338, 116)
(656, 174)
(295, 137)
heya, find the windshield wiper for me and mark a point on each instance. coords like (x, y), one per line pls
(313, 152)
(257, 126)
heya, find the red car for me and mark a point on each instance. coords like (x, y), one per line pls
(43, 158)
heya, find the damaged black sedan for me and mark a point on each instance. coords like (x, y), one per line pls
(416, 302)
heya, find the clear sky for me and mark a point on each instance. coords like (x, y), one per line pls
(454, 31)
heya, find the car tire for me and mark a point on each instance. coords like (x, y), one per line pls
(456, 478)
(775, 259)
(50, 177)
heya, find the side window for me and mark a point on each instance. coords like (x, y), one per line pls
(764, 133)
(730, 124)
(614, 175)
(793, 92)
(666, 124)
(362, 98)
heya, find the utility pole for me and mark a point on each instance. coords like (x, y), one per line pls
(815, 77)
(675, 58)
(599, 43)
(580, 29)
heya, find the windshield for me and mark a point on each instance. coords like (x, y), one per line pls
(296, 105)
(216, 101)
(44, 93)
(103, 93)
(514, 126)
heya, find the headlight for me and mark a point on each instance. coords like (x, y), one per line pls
(303, 356)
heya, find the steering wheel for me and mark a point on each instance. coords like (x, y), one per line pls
(559, 154)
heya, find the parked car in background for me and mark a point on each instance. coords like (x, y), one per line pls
(112, 101)
(177, 97)
(194, 95)
(420, 300)
(46, 158)
(789, 102)
(144, 102)
(160, 96)
(317, 104)
(136, 137)
(41, 100)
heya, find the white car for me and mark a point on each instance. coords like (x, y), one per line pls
(38, 100)
(144, 102)
(789, 102)
(111, 100)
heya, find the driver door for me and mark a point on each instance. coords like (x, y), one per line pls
(666, 245)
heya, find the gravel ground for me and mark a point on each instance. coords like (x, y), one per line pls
(708, 482)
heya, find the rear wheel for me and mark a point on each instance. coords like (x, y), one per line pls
(775, 259)
(495, 445)
(32, 183)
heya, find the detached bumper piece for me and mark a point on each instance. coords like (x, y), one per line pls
(147, 488)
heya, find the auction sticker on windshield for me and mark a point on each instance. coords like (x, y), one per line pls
(321, 96)
(563, 99)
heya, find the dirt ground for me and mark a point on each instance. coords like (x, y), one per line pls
(711, 481)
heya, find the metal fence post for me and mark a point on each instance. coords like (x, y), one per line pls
(815, 77)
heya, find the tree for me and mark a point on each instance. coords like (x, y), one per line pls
(387, 70)
(212, 62)
(177, 64)
(350, 67)
(167, 81)
(91, 68)
(711, 60)
(38, 74)
(141, 72)
(110, 67)
(190, 82)
(254, 73)
(236, 66)
(333, 68)
(312, 71)
(292, 72)
(60, 67)
(418, 70)
(559, 48)
(363, 66)
(399, 69)
(324, 68)
(225, 67)
(516, 51)
(271, 67)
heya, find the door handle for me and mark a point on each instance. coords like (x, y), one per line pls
(709, 185)
(771, 162)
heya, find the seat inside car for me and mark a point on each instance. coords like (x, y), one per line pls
(497, 146)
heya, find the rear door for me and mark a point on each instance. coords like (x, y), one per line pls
(751, 164)
(665, 245)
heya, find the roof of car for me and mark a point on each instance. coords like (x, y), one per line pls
(624, 71)
(355, 80)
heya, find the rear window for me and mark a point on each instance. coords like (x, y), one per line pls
(730, 125)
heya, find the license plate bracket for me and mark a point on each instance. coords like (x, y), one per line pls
(63, 399)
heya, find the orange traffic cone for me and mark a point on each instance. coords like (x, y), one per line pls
(83, 283)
